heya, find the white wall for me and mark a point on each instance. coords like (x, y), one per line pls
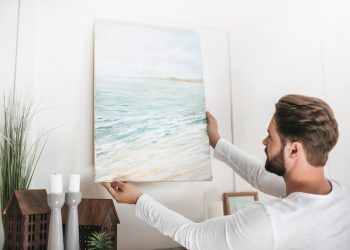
(8, 36)
(275, 47)
(55, 65)
(281, 47)
(335, 38)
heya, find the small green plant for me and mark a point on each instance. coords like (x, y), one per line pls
(100, 241)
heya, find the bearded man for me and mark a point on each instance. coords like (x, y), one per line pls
(311, 211)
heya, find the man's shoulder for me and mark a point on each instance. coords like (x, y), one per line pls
(298, 201)
(253, 210)
(338, 187)
(250, 228)
(339, 193)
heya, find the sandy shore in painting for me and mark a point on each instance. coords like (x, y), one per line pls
(157, 163)
(150, 130)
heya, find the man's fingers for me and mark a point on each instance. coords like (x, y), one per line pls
(118, 184)
(113, 184)
(105, 184)
(209, 116)
(111, 190)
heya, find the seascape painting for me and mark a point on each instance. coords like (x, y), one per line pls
(150, 122)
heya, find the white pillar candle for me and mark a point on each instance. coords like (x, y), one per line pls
(74, 183)
(56, 184)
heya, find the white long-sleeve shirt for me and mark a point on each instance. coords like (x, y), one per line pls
(297, 221)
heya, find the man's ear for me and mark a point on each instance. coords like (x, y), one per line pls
(294, 149)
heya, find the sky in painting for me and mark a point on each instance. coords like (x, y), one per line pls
(166, 53)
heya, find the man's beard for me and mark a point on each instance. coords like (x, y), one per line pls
(275, 165)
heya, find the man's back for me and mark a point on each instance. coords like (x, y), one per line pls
(309, 221)
(297, 221)
(314, 213)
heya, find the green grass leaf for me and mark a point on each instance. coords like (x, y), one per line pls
(19, 151)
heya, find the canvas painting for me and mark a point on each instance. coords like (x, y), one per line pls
(150, 122)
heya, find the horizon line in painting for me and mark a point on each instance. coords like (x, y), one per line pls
(150, 122)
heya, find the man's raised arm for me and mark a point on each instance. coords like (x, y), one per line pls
(245, 165)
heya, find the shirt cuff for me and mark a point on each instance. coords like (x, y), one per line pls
(142, 199)
(219, 151)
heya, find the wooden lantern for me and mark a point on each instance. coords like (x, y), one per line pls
(95, 215)
(28, 216)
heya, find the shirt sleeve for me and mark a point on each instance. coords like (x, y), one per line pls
(249, 228)
(250, 168)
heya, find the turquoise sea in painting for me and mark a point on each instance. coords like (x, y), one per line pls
(149, 130)
(150, 122)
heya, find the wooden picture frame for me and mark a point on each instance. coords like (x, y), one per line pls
(233, 201)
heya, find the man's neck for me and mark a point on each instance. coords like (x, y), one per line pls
(320, 186)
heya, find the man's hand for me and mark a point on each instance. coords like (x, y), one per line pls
(213, 130)
(122, 192)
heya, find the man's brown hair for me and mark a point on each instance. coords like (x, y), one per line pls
(310, 121)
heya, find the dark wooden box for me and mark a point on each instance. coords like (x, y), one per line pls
(95, 215)
(27, 220)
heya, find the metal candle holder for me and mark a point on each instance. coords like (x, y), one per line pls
(72, 226)
(56, 202)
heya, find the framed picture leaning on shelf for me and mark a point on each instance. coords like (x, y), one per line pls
(234, 201)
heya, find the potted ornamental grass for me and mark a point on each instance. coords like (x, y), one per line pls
(20, 148)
